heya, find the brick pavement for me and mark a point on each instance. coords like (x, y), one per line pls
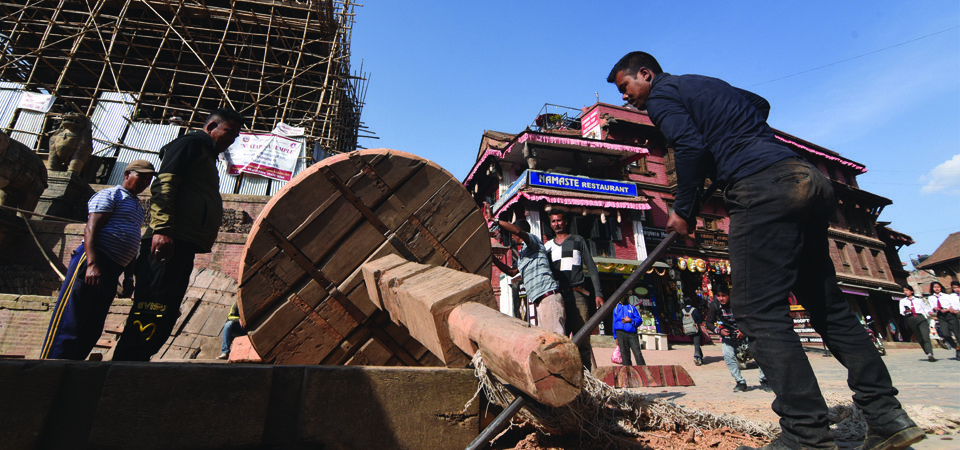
(920, 382)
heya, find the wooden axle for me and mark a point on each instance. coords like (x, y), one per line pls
(451, 313)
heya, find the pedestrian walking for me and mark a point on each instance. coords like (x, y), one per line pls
(110, 241)
(779, 207)
(915, 311)
(185, 216)
(946, 306)
(691, 327)
(720, 315)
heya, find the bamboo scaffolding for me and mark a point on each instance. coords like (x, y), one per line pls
(272, 60)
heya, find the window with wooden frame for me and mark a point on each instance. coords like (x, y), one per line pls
(639, 167)
(880, 259)
(711, 223)
(861, 257)
(844, 258)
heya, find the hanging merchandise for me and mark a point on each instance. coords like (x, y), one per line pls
(691, 264)
(706, 286)
(682, 263)
(701, 265)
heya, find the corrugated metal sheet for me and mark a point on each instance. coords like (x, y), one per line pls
(9, 99)
(145, 139)
(254, 185)
(110, 119)
(227, 181)
(28, 126)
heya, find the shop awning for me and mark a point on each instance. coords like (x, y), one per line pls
(865, 291)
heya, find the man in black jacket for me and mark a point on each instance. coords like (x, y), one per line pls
(779, 207)
(185, 215)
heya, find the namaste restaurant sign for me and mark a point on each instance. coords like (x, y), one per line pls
(582, 184)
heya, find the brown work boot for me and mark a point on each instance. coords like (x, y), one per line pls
(898, 434)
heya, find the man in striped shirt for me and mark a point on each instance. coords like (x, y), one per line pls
(110, 242)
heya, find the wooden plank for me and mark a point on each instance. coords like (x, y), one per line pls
(683, 377)
(372, 353)
(348, 347)
(470, 233)
(643, 376)
(668, 378)
(305, 344)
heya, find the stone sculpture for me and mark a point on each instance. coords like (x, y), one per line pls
(71, 144)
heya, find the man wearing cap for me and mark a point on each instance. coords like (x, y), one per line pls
(185, 216)
(109, 247)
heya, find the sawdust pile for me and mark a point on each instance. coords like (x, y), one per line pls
(602, 417)
(605, 417)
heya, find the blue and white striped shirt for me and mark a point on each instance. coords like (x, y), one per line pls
(119, 238)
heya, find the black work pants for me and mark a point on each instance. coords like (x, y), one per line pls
(156, 301)
(778, 244)
(920, 327)
(630, 342)
(949, 328)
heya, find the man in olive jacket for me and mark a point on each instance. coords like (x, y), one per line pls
(185, 215)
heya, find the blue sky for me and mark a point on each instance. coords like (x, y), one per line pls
(878, 81)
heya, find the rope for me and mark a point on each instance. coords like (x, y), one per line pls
(42, 251)
(60, 219)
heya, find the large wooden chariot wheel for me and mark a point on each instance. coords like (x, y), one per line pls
(302, 295)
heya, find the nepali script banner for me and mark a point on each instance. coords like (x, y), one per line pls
(267, 155)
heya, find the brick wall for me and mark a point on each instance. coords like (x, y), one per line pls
(23, 324)
(24, 320)
(29, 272)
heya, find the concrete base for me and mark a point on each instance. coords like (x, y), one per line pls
(60, 404)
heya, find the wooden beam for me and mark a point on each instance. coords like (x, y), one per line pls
(452, 314)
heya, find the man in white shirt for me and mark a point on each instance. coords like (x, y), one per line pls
(915, 311)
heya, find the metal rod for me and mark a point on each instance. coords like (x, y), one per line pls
(503, 419)
(498, 424)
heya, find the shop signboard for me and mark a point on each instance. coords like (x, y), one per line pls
(711, 239)
(654, 235)
(510, 192)
(591, 125)
(582, 184)
(802, 326)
